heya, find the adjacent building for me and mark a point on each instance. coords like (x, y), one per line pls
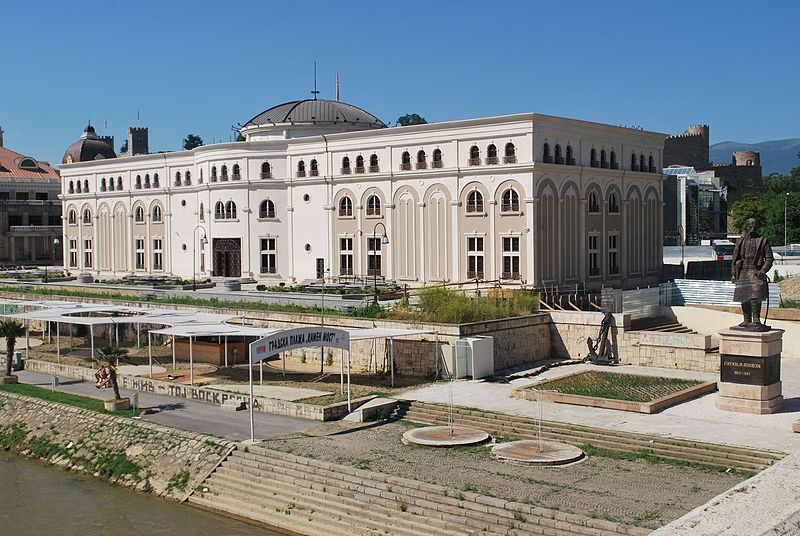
(695, 206)
(30, 210)
(324, 189)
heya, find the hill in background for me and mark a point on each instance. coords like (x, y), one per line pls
(777, 156)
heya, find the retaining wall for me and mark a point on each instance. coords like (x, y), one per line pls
(133, 453)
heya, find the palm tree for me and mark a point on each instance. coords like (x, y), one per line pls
(110, 355)
(11, 330)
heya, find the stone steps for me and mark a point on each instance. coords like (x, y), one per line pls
(327, 498)
(521, 427)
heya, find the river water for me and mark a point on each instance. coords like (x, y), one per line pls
(36, 499)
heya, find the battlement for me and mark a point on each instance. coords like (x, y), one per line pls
(137, 129)
(693, 131)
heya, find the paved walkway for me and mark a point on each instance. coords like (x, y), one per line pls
(697, 419)
(185, 414)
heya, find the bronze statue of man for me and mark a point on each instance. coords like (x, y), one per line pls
(752, 259)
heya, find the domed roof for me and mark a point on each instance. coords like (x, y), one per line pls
(316, 111)
(88, 147)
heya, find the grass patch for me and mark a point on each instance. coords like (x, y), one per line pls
(82, 402)
(617, 386)
(178, 481)
(591, 450)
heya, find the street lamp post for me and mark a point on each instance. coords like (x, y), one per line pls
(785, 243)
(56, 242)
(203, 242)
(384, 240)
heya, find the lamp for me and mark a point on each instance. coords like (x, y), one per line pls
(203, 242)
(56, 242)
(384, 240)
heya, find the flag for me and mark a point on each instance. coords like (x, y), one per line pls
(337, 85)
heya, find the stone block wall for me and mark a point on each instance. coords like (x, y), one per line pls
(146, 456)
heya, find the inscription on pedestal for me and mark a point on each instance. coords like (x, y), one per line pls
(750, 370)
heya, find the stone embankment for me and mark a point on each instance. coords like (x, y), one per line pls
(126, 451)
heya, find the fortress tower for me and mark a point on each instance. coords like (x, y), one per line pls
(137, 141)
(690, 148)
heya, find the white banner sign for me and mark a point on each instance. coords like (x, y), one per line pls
(287, 340)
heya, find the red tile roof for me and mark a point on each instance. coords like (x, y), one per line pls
(9, 167)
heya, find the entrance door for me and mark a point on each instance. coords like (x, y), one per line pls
(228, 257)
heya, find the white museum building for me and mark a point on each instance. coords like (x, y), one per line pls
(324, 188)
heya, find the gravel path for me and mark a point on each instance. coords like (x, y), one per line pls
(634, 492)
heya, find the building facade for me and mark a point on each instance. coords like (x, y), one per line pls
(694, 206)
(323, 188)
(30, 210)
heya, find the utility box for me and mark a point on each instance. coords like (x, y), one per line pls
(474, 357)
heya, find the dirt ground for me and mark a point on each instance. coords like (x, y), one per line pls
(633, 492)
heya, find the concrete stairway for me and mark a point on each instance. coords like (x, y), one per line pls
(662, 324)
(525, 428)
(317, 498)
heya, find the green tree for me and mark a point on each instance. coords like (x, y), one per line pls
(239, 137)
(110, 357)
(411, 119)
(191, 141)
(124, 148)
(11, 330)
(744, 209)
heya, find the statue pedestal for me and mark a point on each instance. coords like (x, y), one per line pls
(750, 371)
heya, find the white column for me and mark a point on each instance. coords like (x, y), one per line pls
(150, 353)
(91, 339)
(173, 353)
(191, 362)
(58, 342)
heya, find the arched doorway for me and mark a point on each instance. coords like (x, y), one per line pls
(228, 257)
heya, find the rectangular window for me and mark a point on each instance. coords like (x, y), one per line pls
(475, 257)
(73, 253)
(510, 257)
(613, 253)
(140, 253)
(269, 256)
(374, 255)
(87, 253)
(158, 254)
(41, 196)
(594, 266)
(345, 256)
(22, 196)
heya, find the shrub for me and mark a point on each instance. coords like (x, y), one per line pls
(440, 304)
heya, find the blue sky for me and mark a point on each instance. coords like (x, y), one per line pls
(203, 66)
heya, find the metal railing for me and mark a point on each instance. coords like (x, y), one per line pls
(314, 173)
(405, 166)
(346, 171)
(422, 165)
(437, 164)
(473, 161)
(301, 173)
(510, 275)
(374, 169)
(509, 159)
(475, 274)
(35, 229)
(492, 160)
(266, 175)
(360, 169)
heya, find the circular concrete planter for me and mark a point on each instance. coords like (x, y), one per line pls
(117, 405)
(6, 380)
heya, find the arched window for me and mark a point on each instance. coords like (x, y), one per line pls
(266, 171)
(437, 158)
(593, 158)
(111, 184)
(373, 205)
(138, 182)
(405, 161)
(230, 210)
(200, 180)
(642, 163)
(749, 162)
(155, 217)
(71, 187)
(559, 156)
(80, 188)
(422, 160)
(223, 173)
(509, 201)
(156, 182)
(346, 165)
(474, 202)
(219, 211)
(373, 163)
(202, 213)
(213, 173)
(603, 159)
(634, 164)
(510, 154)
(613, 205)
(147, 180)
(345, 207)
(86, 183)
(594, 206)
(267, 209)
(474, 156)
(177, 178)
(313, 168)
(103, 184)
(491, 154)
(119, 183)
(72, 217)
(237, 172)
(360, 164)
(570, 158)
(546, 156)
(187, 178)
(614, 164)
(651, 165)
(301, 169)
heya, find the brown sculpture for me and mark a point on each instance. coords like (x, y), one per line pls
(752, 259)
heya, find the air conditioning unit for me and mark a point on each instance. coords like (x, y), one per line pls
(472, 357)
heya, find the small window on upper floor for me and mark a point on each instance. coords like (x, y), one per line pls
(594, 205)
(437, 158)
(642, 163)
(103, 185)
(474, 202)
(360, 164)
(219, 211)
(634, 163)
(223, 171)
(345, 207)
(202, 212)
(546, 156)
(111, 184)
(491, 155)
(301, 169)
(86, 183)
(373, 205)
(559, 156)
(474, 156)
(593, 159)
(422, 160)
(119, 183)
(72, 217)
(138, 214)
(570, 158)
(177, 178)
(237, 172)
(346, 165)
(603, 159)
(71, 189)
(187, 178)
(156, 214)
(87, 216)
(213, 173)
(509, 201)
(613, 205)
(79, 187)
(373, 164)
(147, 181)
(614, 163)
(266, 170)
(651, 165)
(156, 181)
(200, 180)
(313, 170)
(405, 161)
(138, 182)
